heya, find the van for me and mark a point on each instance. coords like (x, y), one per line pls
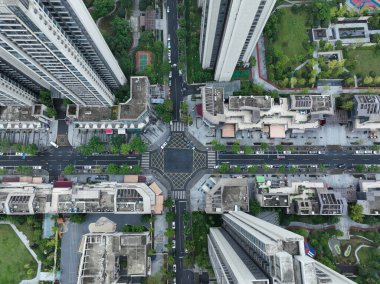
(53, 144)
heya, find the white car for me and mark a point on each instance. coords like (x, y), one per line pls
(37, 167)
(18, 154)
(87, 167)
(287, 152)
(173, 225)
(169, 46)
(167, 9)
(53, 144)
(173, 245)
(174, 65)
(174, 268)
(170, 74)
(164, 145)
(168, 37)
(260, 152)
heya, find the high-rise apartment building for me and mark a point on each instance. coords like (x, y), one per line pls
(249, 250)
(230, 30)
(54, 44)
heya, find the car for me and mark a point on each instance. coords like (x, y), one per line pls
(193, 148)
(169, 60)
(1, 153)
(313, 152)
(169, 46)
(260, 152)
(216, 167)
(180, 73)
(287, 152)
(376, 152)
(280, 157)
(168, 37)
(102, 177)
(173, 225)
(174, 65)
(164, 145)
(18, 153)
(37, 167)
(174, 268)
(368, 152)
(173, 245)
(359, 152)
(341, 166)
(170, 74)
(168, 10)
(241, 152)
(87, 167)
(53, 144)
(186, 250)
(313, 166)
(321, 152)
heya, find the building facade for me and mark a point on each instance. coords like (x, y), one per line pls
(267, 253)
(54, 44)
(230, 30)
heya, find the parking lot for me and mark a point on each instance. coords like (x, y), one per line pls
(70, 257)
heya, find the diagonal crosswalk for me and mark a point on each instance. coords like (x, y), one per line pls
(211, 159)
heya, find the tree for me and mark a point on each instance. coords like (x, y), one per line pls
(360, 168)
(356, 213)
(138, 145)
(254, 207)
(248, 150)
(237, 169)
(347, 105)
(69, 170)
(102, 8)
(236, 147)
(223, 168)
(169, 217)
(265, 167)
(252, 61)
(217, 146)
(322, 167)
(125, 149)
(293, 82)
(280, 148)
(368, 80)
(77, 218)
(282, 169)
(112, 169)
(252, 169)
(264, 146)
(168, 203)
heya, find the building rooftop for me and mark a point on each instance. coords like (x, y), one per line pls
(139, 99)
(367, 105)
(213, 102)
(107, 256)
(314, 103)
(94, 113)
(226, 194)
(16, 113)
(249, 102)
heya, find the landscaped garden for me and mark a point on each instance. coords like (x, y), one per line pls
(16, 263)
(367, 60)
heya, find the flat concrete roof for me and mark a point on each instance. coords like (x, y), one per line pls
(139, 98)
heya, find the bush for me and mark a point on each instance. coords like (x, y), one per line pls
(69, 170)
(78, 218)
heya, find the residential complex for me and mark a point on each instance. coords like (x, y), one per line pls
(301, 198)
(27, 196)
(229, 33)
(297, 114)
(113, 257)
(57, 46)
(249, 250)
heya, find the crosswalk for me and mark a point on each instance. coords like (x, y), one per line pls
(145, 160)
(178, 194)
(177, 127)
(211, 159)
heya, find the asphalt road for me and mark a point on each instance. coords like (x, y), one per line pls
(183, 276)
(330, 158)
(177, 83)
(54, 160)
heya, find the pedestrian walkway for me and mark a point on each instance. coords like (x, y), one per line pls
(178, 194)
(177, 127)
(145, 160)
(211, 159)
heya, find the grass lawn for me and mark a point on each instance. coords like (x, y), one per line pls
(291, 34)
(366, 59)
(355, 242)
(15, 258)
(364, 255)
